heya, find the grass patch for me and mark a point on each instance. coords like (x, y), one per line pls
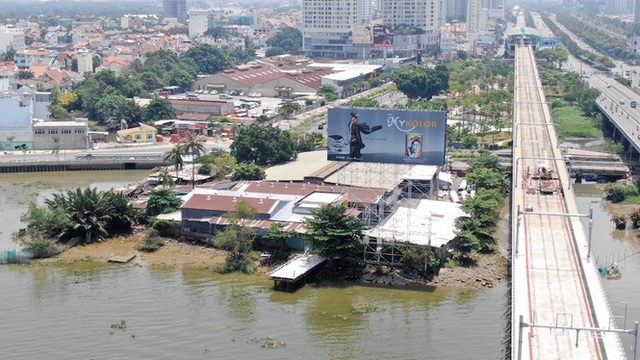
(451, 263)
(150, 242)
(572, 123)
(631, 200)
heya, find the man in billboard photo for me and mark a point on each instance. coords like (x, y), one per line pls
(356, 129)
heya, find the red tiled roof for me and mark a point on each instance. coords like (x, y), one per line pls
(227, 203)
(253, 76)
(10, 65)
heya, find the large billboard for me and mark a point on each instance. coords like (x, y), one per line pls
(361, 35)
(386, 136)
(382, 36)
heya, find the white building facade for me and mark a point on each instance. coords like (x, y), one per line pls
(11, 37)
(327, 27)
(424, 14)
(198, 22)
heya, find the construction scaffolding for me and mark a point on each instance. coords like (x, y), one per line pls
(399, 219)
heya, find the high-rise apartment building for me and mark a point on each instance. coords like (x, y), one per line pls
(327, 26)
(455, 10)
(367, 10)
(198, 22)
(424, 14)
(175, 9)
(483, 14)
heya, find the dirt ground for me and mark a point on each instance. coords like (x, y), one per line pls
(489, 269)
(173, 253)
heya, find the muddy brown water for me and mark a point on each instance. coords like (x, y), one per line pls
(107, 311)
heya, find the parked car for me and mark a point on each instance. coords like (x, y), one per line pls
(225, 97)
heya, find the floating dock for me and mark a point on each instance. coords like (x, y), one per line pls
(122, 259)
(293, 274)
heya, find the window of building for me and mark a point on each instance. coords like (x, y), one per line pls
(138, 137)
(39, 132)
(65, 131)
(53, 132)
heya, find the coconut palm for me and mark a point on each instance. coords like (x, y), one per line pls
(55, 150)
(93, 214)
(165, 178)
(194, 148)
(174, 157)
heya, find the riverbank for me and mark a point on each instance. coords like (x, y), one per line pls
(487, 271)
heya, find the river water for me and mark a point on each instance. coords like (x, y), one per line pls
(67, 312)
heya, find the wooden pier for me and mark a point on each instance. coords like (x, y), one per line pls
(293, 274)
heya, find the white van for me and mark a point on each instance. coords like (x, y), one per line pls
(193, 97)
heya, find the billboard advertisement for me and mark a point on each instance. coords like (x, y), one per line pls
(362, 35)
(386, 136)
(382, 36)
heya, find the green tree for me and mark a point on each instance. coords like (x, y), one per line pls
(92, 214)
(163, 200)
(165, 179)
(151, 241)
(55, 149)
(276, 234)
(288, 107)
(418, 82)
(159, 109)
(364, 102)
(180, 78)
(306, 141)
(59, 113)
(329, 92)
(248, 172)
(174, 158)
(483, 211)
(238, 239)
(485, 171)
(25, 75)
(263, 145)
(194, 148)
(208, 58)
(288, 39)
(333, 234)
(9, 53)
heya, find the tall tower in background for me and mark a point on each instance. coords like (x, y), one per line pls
(367, 10)
(327, 26)
(424, 14)
(176, 9)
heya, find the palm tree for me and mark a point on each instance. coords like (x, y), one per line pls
(174, 157)
(194, 148)
(55, 150)
(93, 214)
(165, 178)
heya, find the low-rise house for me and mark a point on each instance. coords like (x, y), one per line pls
(141, 134)
(60, 135)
